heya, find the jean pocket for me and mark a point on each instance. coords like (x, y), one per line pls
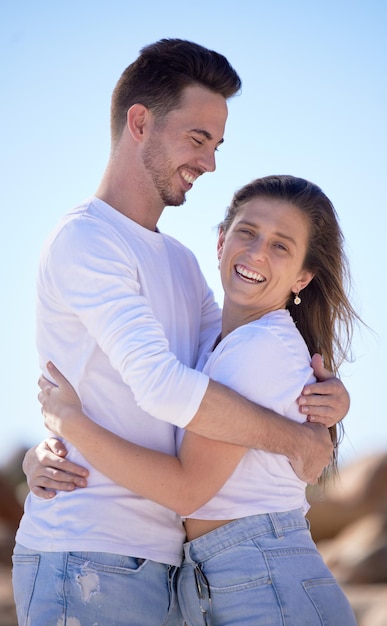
(330, 602)
(107, 562)
(24, 572)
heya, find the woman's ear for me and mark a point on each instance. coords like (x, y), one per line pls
(303, 281)
(136, 119)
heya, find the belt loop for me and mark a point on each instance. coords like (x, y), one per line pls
(277, 526)
(187, 553)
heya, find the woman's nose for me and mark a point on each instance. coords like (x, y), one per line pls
(257, 248)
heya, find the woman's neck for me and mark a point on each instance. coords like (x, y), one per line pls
(235, 316)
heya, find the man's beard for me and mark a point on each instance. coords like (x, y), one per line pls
(161, 172)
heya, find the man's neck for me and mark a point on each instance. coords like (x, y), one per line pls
(126, 197)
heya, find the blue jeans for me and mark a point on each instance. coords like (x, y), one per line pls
(89, 588)
(263, 570)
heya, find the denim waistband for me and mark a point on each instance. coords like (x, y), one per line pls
(274, 524)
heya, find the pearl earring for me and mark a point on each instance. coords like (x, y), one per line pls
(297, 299)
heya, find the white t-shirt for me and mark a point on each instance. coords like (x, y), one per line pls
(268, 362)
(123, 312)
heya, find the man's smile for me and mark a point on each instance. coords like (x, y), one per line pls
(189, 176)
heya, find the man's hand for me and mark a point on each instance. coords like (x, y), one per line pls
(326, 401)
(314, 454)
(48, 471)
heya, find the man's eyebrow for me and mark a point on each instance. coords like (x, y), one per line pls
(205, 134)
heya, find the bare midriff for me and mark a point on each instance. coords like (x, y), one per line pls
(195, 528)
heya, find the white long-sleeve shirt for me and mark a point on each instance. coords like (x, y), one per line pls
(123, 312)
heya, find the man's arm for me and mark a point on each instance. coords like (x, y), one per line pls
(308, 446)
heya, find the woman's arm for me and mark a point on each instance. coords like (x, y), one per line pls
(182, 484)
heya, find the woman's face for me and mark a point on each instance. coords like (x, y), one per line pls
(261, 256)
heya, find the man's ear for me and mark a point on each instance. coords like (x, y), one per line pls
(220, 244)
(136, 118)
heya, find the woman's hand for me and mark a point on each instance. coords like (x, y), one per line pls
(60, 403)
(326, 401)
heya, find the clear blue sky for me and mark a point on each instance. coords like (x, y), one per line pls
(314, 104)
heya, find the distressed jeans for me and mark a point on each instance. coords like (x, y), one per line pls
(263, 570)
(92, 589)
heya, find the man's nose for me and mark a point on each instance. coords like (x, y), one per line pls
(208, 161)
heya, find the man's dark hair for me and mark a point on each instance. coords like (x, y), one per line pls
(158, 76)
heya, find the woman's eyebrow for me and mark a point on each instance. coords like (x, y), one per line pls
(277, 233)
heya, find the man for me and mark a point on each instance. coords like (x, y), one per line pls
(123, 312)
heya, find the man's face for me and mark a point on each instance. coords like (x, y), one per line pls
(183, 146)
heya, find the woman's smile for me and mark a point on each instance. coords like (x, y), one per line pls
(248, 274)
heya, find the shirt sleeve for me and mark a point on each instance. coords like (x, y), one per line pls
(262, 365)
(94, 276)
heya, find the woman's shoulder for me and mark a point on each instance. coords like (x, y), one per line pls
(273, 325)
(271, 340)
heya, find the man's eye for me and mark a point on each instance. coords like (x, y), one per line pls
(197, 141)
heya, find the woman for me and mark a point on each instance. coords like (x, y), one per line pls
(249, 558)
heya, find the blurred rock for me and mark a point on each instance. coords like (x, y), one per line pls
(12, 490)
(11, 509)
(11, 505)
(369, 603)
(360, 489)
(349, 524)
(11, 467)
(359, 553)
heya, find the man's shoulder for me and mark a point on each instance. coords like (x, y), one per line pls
(179, 249)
